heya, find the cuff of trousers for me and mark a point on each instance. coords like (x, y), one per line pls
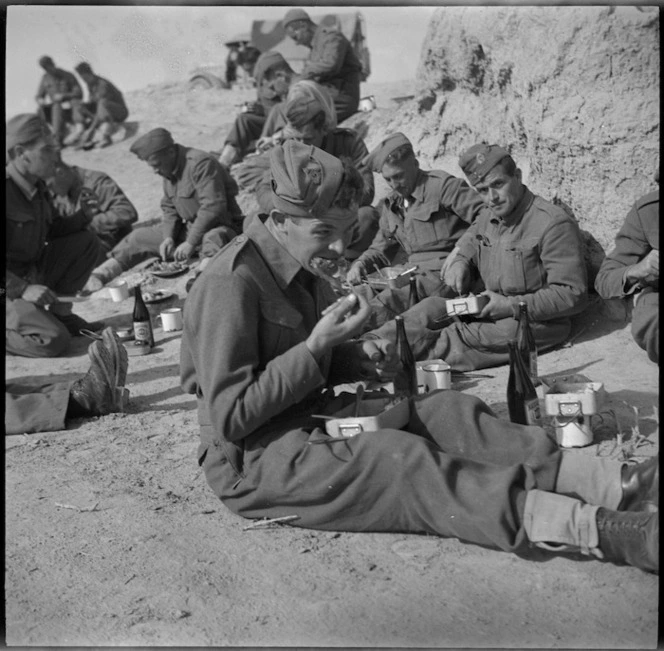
(561, 524)
(593, 480)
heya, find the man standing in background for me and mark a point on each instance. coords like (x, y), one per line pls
(332, 61)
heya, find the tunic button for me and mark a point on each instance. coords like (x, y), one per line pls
(240, 238)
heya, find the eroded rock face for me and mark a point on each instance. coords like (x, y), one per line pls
(573, 92)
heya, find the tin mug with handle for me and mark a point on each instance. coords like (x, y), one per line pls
(171, 319)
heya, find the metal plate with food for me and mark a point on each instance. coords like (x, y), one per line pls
(157, 296)
(167, 269)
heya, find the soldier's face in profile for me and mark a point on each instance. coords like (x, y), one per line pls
(162, 162)
(39, 159)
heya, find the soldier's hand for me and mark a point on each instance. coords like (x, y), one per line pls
(457, 276)
(341, 321)
(646, 270)
(39, 295)
(89, 203)
(356, 272)
(166, 248)
(378, 359)
(184, 252)
(498, 307)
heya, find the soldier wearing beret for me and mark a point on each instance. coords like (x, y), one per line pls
(332, 61)
(632, 270)
(260, 373)
(273, 77)
(198, 203)
(47, 256)
(111, 213)
(59, 90)
(424, 216)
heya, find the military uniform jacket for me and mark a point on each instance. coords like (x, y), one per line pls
(201, 194)
(332, 62)
(340, 143)
(30, 223)
(244, 352)
(60, 83)
(535, 256)
(442, 208)
(101, 88)
(117, 213)
(638, 236)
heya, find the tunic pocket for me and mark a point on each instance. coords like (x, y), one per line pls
(280, 331)
(520, 268)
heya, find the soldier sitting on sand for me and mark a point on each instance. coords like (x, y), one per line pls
(96, 194)
(260, 376)
(632, 270)
(273, 76)
(198, 207)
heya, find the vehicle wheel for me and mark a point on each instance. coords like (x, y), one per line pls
(199, 83)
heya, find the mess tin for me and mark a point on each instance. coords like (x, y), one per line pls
(466, 305)
(373, 414)
(433, 374)
(392, 277)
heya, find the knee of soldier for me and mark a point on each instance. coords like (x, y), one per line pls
(216, 239)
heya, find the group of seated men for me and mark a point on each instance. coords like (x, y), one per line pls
(74, 122)
(265, 336)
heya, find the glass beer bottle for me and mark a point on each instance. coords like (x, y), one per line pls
(413, 296)
(522, 402)
(526, 343)
(141, 318)
(406, 381)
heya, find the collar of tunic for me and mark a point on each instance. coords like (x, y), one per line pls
(283, 265)
(28, 189)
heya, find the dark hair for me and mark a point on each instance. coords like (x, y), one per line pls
(351, 188)
(508, 165)
(83, 68)
(400, 154)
